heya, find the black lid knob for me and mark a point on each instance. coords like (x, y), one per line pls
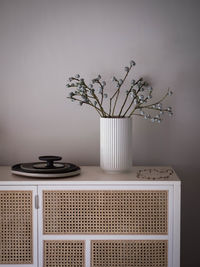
(50, 160)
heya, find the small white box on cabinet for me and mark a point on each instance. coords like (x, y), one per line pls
(95, 219)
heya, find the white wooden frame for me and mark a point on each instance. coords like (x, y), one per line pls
(173, 219)
(35, 223)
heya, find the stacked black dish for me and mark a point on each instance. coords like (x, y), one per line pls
(46, 169)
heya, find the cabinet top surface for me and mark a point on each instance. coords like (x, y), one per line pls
(94, 175)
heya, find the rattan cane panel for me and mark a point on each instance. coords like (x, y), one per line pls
(16, 227)
(64, 253)
(129, 253)
(105, 212)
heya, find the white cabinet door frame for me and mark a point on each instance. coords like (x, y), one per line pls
(34, 221)
(172, 257)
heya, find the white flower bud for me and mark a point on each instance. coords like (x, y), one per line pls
(133, 82)
(170, 93)
(132, 63)
(141, 97)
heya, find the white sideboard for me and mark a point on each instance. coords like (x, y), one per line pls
(96, 219)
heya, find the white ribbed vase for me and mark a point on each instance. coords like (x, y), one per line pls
(116, 144)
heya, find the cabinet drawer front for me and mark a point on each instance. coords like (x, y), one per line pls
(64, 253)
(16, 227)
(105, 212)
(129, 253)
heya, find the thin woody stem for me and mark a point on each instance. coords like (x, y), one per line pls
(94, 95)
(102, 91)
(90, 104)
(155, 109)
(157, 101)
(150, 106)
(110, 106)
(136, 107)
(97, 99)
(87, 96)
(132, 102)
(127, 97)
(118, 91)
(138, 115)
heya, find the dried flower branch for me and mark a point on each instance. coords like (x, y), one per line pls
(135, 98)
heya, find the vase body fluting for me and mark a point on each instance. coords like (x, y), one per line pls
(116, 144)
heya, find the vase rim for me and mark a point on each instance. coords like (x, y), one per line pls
(113, 118)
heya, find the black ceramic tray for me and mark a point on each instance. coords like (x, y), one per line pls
(47, 168)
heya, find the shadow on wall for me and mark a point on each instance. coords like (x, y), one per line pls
(153, 140)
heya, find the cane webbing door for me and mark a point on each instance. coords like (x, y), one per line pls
(16, 226)
(105, 212)
(64, 253)
(129, 253)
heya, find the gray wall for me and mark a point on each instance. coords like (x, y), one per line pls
(43, 42)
